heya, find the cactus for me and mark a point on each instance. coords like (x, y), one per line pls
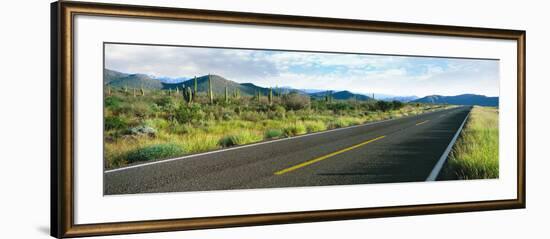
(110, 93)
(169, 91)
(187, 95)
(142, 91)
(259, 97)
(270, 96)
(237, 93)
(134, 91)
(328, 97)
(196, 85)
(226, 95)
(177, 90)
(126, 89)
(210, 92)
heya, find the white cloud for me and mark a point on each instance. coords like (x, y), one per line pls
(396, 75)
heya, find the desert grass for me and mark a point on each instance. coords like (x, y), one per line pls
(475, 154)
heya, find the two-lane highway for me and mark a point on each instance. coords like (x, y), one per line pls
(399, 150)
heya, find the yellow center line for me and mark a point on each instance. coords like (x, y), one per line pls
(306, 163)
(423, 122)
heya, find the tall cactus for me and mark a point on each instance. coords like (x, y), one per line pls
(328, 97)
(196, 84)
(237, 93)
(134, 91)
(142, 91)
(226, 95)
(259, 97)
(177, 90)
(270, 96)
(126, 89)
(187, 95)
(110, 93)
(210, 92)
(169, 91)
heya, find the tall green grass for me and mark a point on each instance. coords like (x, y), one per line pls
(475, 154)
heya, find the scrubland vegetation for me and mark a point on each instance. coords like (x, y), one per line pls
(143, 125)
(475, 154)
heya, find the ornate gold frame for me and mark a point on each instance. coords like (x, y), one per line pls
(62, 118)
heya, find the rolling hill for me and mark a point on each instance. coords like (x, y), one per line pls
(465, 99)
(133, 81)
(340, 95)
(120, 80)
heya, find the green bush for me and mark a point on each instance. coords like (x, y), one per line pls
(273, 133)
(141, 109)
(152, 152)
(296, 101)
(277, 112)
(238, 139)
(315, 126)
(113, 102)
(164, 101)
(187, 114)
(295, 129)
(115, 122)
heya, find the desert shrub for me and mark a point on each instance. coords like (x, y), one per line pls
(143, 130)
(244, 137)
(315, 126)
(177, 128)
(141, 109)
(187, 114)
(397, 104)
(295, 101)
(295, 129)
(340, 107)
(252, 116)
(113, 102)
(343, 122)
(164, 101)
(277, 112)
(157, 123)
(273, 133)
(115, 122)
(151, 152)
(383, 105)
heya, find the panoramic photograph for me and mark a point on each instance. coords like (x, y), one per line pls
(188, 118)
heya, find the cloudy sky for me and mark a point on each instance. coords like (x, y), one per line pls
(359, 73)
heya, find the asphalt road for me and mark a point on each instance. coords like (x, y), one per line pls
(400, 150)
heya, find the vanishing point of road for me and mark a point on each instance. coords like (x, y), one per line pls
(399, 150)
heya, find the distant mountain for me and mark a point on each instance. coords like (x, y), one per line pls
(133, 81)
(109, 75)
(310, 91)
(401, 98)
(465, 99)
(340, 95)
(172, 80)
(219, 83)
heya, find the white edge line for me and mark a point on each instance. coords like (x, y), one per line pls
(439, 165)
(260, 143)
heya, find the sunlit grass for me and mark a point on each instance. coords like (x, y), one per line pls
(475, 154)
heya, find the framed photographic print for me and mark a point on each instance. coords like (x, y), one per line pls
(172, 119)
